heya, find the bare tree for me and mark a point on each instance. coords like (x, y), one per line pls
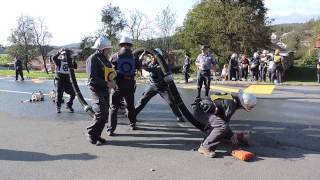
(166, 23)
(41, 40)
(137, 24)
(22, 39)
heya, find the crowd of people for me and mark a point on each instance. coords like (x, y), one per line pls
(263, 66)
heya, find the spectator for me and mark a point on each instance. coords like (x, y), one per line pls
(255, 62)
(224, 73)
(278, 59)
(244, 65)
(234, 67)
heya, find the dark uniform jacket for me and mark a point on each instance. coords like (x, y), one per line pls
(62, 70)
(18, 64)
(223, 108)
(156, 74)
(95, 65)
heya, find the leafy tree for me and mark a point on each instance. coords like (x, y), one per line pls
(113, 21)
(22, 38)
(85, 46)
(227, 26)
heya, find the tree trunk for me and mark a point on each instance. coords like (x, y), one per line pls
(45, 64)
(26, 64)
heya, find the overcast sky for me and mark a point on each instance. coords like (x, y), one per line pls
(70, 20)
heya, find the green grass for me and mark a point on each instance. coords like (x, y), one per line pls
(37, 74)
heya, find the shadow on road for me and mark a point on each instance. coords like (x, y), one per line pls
(13, 155)
(281, 139)
(268, 139)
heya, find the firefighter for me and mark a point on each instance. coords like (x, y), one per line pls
(126, 66)
(216, 113)
(157, 86)
(100, 80)
(18, 68)
(62, 78)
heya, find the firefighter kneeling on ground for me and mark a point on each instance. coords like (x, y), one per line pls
(216, 114)
(63, 78)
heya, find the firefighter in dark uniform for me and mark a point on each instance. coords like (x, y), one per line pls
(100, 80)
(205, 62)
(63, 79)
(216, 113)
(18, 68)
(125, 65)
(157, 86)
(187, 66)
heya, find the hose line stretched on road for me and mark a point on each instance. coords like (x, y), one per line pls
(76, 89)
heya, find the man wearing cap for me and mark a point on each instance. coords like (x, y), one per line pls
(126, 65)
(63, 78)
(100, 80)
(205, 62)
(157, 86)
(216, 113)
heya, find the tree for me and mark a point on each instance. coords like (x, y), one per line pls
(113, 21)
(41, 40)
(85, 46)
(165, 22)
(227, 26)
(137, 25)
(22, 39)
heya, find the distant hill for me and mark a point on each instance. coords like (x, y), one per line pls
(296, 27)
(71, 46)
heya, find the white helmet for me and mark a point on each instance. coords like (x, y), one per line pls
(255, 55)
(234, 55)
(102, 43)
(125, 40)
(158, 50)
(247, 100)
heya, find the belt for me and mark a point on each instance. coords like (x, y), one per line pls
(126, 77)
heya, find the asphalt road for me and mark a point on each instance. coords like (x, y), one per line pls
(37, 143)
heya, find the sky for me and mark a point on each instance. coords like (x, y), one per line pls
(71, 20)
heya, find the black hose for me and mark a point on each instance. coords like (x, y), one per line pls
(76, 89)
(173, 91)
